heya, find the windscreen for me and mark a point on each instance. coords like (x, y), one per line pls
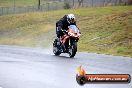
(74, 28)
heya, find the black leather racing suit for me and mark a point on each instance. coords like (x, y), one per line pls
(61, 25)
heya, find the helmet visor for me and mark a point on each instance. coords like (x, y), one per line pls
(71, 20)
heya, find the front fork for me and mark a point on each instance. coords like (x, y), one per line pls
(72, 42)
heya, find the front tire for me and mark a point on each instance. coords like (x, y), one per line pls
(73, 50)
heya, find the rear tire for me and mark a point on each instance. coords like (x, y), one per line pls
(55, 48)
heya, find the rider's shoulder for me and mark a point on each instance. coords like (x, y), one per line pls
(65, 16)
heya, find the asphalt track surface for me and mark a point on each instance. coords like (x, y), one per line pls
(25, 67)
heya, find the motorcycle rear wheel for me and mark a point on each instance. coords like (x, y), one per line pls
(56, 51)
(55, 48)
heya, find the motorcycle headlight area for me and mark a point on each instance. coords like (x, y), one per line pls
(74, 34)
(71, 34)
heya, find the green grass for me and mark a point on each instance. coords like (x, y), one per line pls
(110, 34)
(104, 29)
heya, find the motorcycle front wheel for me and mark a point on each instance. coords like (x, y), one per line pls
(73, 50)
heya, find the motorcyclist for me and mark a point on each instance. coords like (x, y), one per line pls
(62, 26)
(63, 23)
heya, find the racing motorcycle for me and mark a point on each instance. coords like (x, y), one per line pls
(68, 42)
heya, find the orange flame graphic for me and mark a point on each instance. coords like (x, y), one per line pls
(81, 71)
